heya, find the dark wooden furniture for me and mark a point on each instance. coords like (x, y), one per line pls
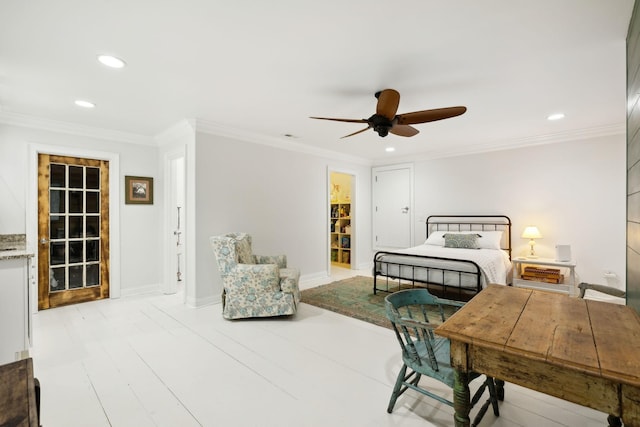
(19, 395)
(579, 350)
(457, 278)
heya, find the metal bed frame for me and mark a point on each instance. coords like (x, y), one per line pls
(441, 223)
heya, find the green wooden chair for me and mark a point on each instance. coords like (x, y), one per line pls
(415, 313)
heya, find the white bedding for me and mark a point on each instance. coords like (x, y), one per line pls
(494, 263)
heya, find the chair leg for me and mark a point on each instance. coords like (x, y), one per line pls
(417, 379)
(478, 394)
(480, 414)
(493, 400)
(396, 388)
(493, 395)
(500, 389)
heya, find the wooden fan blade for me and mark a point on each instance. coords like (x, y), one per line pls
(341, 120)
(388, 101)
(403, 130)
(355, 133)
(429, 115)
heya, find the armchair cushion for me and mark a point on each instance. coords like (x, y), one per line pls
(279, 260)
(253, 279)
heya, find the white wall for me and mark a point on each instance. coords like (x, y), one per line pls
(278, 196)
(573, 191)
(139, 248)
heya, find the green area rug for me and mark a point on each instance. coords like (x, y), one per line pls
(352, 297)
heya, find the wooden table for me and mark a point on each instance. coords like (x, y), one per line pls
(586, 352)
(18, 395)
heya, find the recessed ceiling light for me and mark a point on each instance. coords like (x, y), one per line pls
(556, 116)
(111, 61)
(389, 149)
(84, 104)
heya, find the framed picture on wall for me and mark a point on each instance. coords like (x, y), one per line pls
(138, 190)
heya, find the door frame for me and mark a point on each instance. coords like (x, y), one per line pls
(169, 285)
(374, 199)
(32, 212)
(354, 212)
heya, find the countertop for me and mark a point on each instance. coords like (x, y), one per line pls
(15, 254)
(13, 246)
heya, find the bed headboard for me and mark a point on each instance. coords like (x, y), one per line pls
(473, 223)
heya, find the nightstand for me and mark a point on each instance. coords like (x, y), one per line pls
(567, 268)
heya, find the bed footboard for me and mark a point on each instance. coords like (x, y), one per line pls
(449, 277)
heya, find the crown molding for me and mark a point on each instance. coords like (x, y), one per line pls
(33, 122)
(511, 144)
(212, 128)
(184, 129)
(188, 127)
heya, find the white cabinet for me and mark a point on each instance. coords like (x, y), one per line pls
(14, 310)
(544, 271)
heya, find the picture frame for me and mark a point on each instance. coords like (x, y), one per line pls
(138, 190)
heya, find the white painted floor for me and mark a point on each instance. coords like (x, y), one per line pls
(151, 361)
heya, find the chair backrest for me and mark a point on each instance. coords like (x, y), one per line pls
(414, 314)
(603, 293)
(231, 249)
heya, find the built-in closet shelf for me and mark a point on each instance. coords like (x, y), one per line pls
(340, 218)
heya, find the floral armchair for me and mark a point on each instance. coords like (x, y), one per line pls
(254, 285)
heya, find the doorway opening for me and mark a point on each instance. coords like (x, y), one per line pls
(341, 221)
(175, 225)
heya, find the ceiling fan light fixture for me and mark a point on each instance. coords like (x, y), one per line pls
(84, 104)
(555, 116)
(386, 120)
(111, 61)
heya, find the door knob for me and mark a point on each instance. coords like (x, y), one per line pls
(405, 209)
(44, 241)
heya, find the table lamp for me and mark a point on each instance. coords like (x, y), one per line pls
(531, 232)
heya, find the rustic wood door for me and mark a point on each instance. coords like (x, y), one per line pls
(73, 230)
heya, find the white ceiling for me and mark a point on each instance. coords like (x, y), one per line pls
(261, 68)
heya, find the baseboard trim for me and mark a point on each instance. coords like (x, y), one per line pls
(139, 290)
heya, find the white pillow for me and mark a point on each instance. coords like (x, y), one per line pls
(488, 239)
(436, 238)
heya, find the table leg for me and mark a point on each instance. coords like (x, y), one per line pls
(461, 399)
(614, 421)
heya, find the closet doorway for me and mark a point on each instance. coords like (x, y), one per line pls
(341, 220)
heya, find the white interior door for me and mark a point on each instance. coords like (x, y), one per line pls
(393, 207)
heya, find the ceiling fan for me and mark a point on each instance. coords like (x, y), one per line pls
(385, 119)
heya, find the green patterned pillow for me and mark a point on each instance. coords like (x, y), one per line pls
(464, 241)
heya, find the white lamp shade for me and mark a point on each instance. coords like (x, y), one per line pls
(531, 232)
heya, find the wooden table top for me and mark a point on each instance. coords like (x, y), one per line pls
(600, 338)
